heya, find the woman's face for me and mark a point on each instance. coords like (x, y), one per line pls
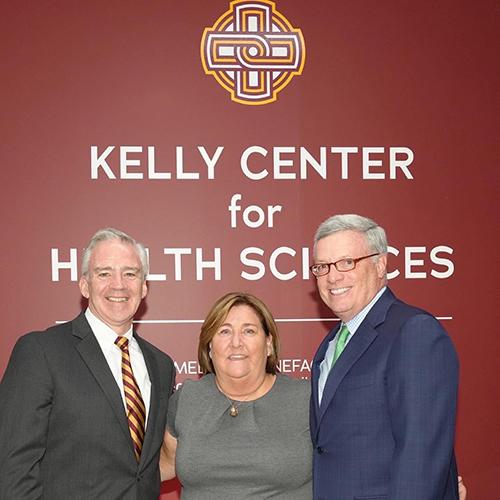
(239, 348)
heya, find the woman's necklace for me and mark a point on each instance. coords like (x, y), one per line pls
(233, 410)
(234, 405)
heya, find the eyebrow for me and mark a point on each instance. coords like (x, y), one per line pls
(244, 324)
(107, 268)
(324, 261)
(110, 268)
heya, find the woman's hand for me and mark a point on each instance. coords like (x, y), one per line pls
(462, 491)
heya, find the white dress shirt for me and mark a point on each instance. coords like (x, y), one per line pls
(113, 354)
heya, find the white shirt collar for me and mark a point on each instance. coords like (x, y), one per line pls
(353, 323)
(104, 333)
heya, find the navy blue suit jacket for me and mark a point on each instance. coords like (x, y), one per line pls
(386, 425)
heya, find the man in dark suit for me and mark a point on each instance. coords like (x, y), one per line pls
(83, 404)
(384, 381)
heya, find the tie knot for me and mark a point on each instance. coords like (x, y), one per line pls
(122, 343)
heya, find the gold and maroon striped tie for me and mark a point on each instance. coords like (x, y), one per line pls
(136, 411)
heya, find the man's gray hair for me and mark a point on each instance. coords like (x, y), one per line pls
(374, 234)
(110, 233)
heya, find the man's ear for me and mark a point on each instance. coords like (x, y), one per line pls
(84, 286)
(382, 265)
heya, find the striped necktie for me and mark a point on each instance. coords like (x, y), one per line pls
(136, 411)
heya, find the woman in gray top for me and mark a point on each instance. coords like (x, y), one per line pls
(242, 430)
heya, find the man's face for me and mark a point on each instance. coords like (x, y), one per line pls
(114, 285)
(347, 293)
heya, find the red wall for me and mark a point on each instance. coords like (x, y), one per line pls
(417, 75)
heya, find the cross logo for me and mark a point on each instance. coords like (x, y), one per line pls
(253, 51)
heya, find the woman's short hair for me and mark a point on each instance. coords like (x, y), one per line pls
(215, 318)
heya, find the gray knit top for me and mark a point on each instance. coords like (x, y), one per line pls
(265, 452)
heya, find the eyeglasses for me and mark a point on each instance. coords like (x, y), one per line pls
(342, 265)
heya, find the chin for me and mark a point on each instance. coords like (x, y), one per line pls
(237, 373)
(341, 313)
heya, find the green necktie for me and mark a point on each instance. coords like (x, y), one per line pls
(339, 347)
(329, 360)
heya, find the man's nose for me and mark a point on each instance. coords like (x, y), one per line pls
(333, 275)
(117, 280)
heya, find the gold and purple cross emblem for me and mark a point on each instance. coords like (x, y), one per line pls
(253, 51)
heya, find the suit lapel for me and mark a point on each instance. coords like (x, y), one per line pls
(91, 353)
(154, 378)
(360, 342)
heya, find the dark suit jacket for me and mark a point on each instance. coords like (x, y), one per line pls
(385, 428)
(63, 428)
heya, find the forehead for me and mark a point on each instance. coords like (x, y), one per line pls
(341, 244)
(114, 253)
(242, 313)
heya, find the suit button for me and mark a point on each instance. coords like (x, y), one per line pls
(321, 450)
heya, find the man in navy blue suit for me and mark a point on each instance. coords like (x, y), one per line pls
(384, 381)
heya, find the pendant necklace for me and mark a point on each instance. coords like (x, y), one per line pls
(233, 411)
(234, 405)
(233, 408)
